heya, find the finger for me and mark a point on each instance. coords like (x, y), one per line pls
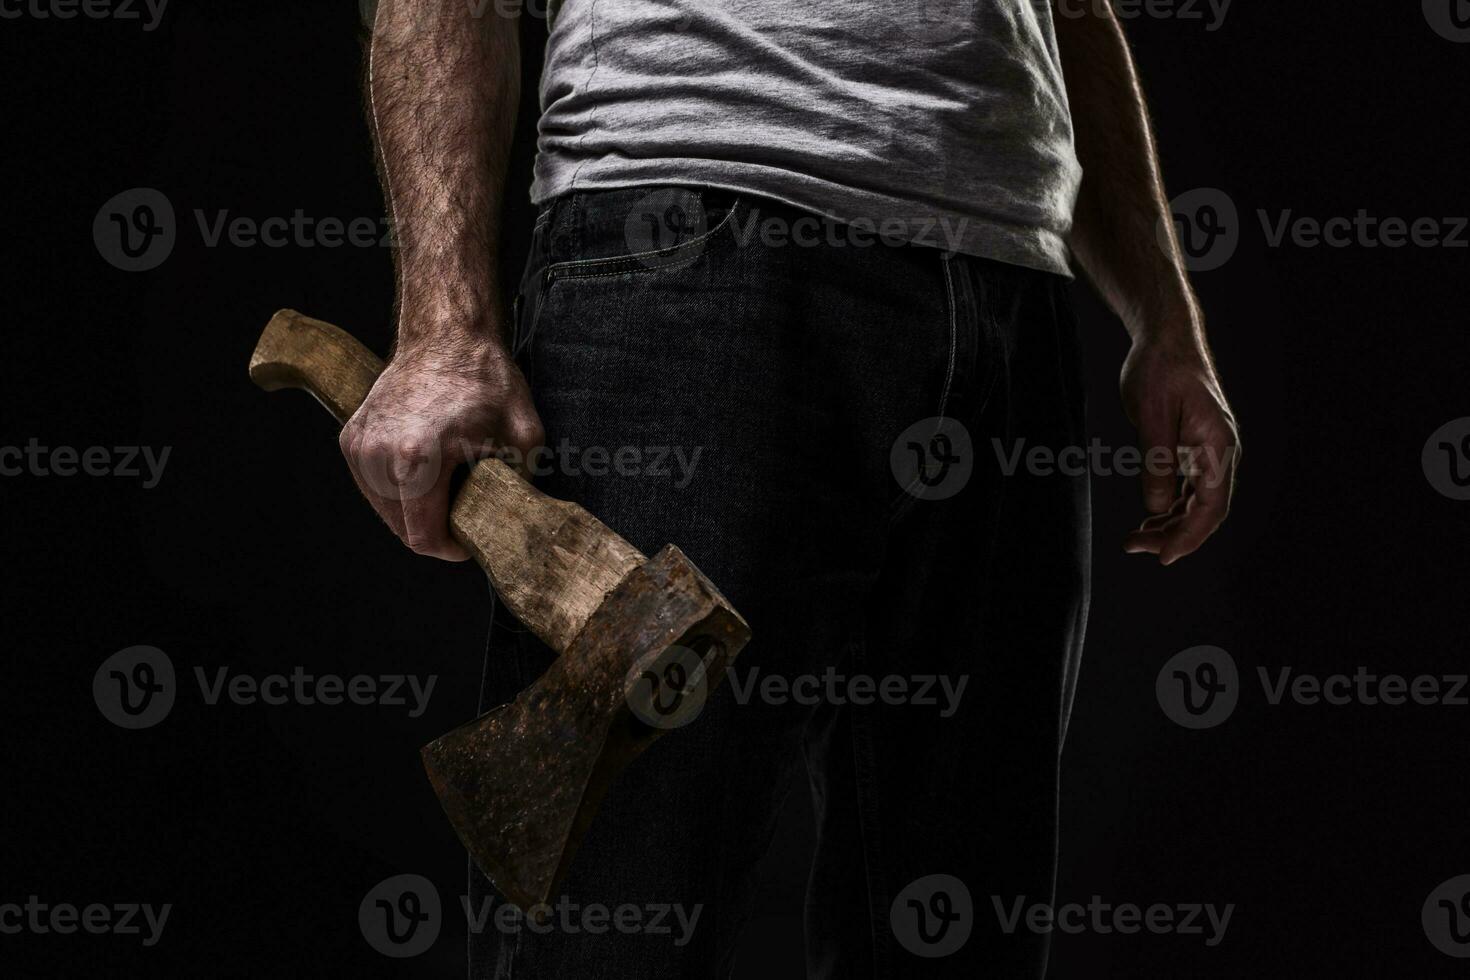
(1152, 535)
(1158, 435)
(1210, 488)
(426, 518)
(1149, 537)
(417, 477)
(1199, 522)
(521, 436)
(1159, 521)
(1143, 542)
(365, 472)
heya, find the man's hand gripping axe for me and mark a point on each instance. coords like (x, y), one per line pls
(521, 783)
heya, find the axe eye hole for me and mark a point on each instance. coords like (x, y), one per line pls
(670, 690)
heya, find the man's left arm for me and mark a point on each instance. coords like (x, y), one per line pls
(1170, 389)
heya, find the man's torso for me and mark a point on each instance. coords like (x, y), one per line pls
(947, 115)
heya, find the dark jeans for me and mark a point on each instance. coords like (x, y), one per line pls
(828, 390)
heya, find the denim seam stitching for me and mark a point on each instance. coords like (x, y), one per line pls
(953, 335)
(572, 267)
(869, 825)
(618, 272)
(902, 502)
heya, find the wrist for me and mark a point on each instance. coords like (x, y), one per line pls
(452, 323)
(460, 353)
(1171, 317)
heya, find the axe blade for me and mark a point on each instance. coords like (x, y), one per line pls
(521, 783)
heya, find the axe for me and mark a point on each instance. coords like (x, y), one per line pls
(522, 783)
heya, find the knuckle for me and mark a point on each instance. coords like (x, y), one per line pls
(414, 448)
(373, 445)
(524, 429)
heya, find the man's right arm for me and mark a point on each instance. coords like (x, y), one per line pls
(443, 85)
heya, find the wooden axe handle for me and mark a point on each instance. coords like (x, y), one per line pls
(550, 561)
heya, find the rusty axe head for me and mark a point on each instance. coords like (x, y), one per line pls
(521, 783)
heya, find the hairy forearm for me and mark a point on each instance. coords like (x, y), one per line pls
(443, 85)
(1122, 206)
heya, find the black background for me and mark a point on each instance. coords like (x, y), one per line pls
(1326, 827)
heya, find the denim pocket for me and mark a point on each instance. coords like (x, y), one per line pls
(981, 343)
(527, 306)
(647, 230)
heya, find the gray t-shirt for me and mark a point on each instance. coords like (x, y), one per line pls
(947, 115)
